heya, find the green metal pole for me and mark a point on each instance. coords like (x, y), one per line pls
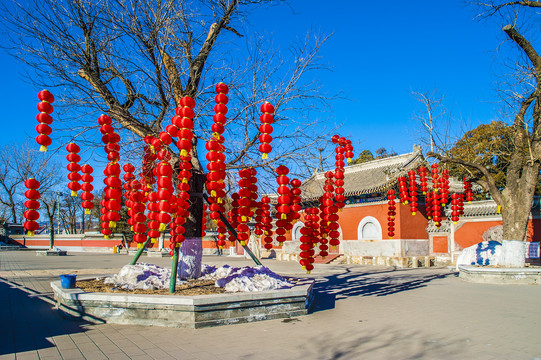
(139, 252)
(234, 232)
(174, 267)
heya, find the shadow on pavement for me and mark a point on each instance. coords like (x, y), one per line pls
(382, 283)
(28, 319)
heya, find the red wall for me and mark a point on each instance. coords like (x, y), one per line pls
(440, 244)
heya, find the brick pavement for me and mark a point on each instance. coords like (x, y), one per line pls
(360, 312)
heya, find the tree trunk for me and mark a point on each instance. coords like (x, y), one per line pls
(191, 251)
(517, 199)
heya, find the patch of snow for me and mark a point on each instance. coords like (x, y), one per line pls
(483, 254)
(232, 279)
(141, 276)
(247, 279)
(513, 253)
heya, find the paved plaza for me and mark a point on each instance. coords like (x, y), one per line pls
(360, 312)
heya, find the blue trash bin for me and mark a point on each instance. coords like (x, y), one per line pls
(67, 281)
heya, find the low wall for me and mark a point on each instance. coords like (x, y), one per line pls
(184, 311)
(382, 248)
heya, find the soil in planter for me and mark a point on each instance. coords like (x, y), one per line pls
(193, 287)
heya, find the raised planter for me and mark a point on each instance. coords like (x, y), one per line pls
(498, 275)
(184, 311)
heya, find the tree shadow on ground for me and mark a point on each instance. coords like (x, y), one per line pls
(29, 319)
(368, 283)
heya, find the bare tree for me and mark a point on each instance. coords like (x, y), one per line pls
(523, 94)
(17, 164)
(134, 59)
(434, 121)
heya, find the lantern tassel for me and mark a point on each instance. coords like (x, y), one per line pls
(87, 211)
(139, 246)
(308, 271)
(153, 241)
(265, 156)
(73, 193)
(162, 227)
(112, 224)
(284, 217)
(30, 233)
(106, 237)
(183, 152)
(43, 148)
(243, 243)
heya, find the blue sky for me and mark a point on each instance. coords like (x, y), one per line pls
(379, 52)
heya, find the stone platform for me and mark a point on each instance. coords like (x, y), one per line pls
(51, 253)
(497, 275)
(184, 311)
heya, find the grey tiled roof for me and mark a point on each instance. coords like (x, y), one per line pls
(477, 208)
(366, 178)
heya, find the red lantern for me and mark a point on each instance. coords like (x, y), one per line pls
(245, 201)
(73, 167)
(391, 212)
(468, 192)
(267, 118)
(422, 179)
(429, 198)
(87, 188)
(412, 191)
(31, 215)
(44, 118)
(403, 190)
(283, 201)
(454, 208)
(309, 234)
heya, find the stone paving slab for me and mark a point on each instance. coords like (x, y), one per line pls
(360, 312)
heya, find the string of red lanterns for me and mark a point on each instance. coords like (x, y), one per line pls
(412, 191)
(87, 188)
(267, 119)
(32, 204)
(73, 168)
(44, 118)
(267, 222)
(391, 212)
(283, 201)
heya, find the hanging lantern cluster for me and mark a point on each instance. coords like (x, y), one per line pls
(148, 164)
(153, 211)
(110, 138)
(164, 173)
(323, 229)
(267, 222)
(329, 212)
(435, 176)
(436, 209)
(339, 172)
(309, 234)
(44, 118)
(460, 204)
(184, 143)
(412, 192)
(444, 187)
(113, 196)
(468, 192)
(429, 198)
(454, 208)
(245, 202)
(403, 190)
(348, 147)
(73, 168)
(87, 188)
(233, 216)
(283, 202)
(267, 119)
(423, 179)
(391, 212)
(32, 204)
(138, 198)
(128, 178)
(220, 110)
(295, 198)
